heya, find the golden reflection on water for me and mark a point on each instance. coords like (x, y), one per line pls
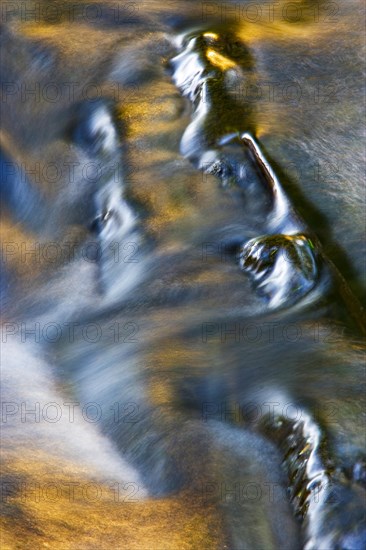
(97, 517)
(219, 60)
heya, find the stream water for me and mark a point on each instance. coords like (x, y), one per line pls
(183, 208)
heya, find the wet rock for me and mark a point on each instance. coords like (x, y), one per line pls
(283, 267)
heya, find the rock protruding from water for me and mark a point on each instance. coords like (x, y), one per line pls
(283, 267)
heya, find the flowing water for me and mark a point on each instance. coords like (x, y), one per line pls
(183, 206)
